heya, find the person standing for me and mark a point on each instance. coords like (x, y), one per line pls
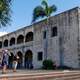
(15, 62)
(5, 60)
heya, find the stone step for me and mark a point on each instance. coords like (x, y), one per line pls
(69, 78)
(46, 76)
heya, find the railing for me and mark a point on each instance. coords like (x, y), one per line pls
(19, 45)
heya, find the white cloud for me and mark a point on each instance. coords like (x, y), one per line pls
(2, 33)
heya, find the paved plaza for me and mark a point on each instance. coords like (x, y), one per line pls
(41, 75)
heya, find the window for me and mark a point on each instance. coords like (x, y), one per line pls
(40, 56)
(44, 34)
(54, 31)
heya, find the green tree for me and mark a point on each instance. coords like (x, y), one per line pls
(5, 11)
(41, 11)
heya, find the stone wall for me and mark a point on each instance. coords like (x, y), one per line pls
(63, 49)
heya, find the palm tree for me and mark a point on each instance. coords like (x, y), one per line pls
(43, 10)
(5, 11)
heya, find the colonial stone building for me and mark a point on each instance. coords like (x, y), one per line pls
(59, 40)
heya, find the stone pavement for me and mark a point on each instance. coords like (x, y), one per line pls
(40, 75)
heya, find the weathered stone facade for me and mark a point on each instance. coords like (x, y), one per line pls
(58, 40)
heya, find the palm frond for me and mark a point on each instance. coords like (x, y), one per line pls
(38, 12)
(44, 3)
(53, 8)
(4, 12)
(9, 1)
(4, 19)
(50, 10)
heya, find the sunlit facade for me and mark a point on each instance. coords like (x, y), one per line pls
(59, 40)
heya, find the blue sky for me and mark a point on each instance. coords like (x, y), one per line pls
(22, 11)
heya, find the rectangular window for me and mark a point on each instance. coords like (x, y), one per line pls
(40, 56)
(44, 34)
(54, 31)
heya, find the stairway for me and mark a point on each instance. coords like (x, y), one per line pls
(71, 75)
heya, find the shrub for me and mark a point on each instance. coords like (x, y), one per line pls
(48, 64)
(64, 67)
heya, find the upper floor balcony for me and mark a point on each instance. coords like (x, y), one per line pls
(21, 40)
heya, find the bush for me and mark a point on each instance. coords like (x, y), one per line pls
(48, 64)
(65, 67)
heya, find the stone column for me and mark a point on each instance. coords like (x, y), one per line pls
(23, 52)
(8, 42)
(23, 61)
(15, 38)
(2, 43)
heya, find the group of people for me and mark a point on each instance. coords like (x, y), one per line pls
(5, 56)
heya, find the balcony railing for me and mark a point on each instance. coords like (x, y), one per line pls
(30, 43)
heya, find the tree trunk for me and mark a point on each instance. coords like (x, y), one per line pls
(46, 41)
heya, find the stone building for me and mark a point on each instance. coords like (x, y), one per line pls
(59, 40)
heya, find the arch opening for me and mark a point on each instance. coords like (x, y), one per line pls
(6, 43)
(28, 59)
(10, 60)
(20, 39)
(29, 37)
(0, 44)
(20, 61)
(12, 41)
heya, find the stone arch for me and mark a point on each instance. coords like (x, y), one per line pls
(6, 43)
(20, 39)
(28, 59)
(20, 61)
(10, 60)
(12, 41)
(29, 37)
(0, 44)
